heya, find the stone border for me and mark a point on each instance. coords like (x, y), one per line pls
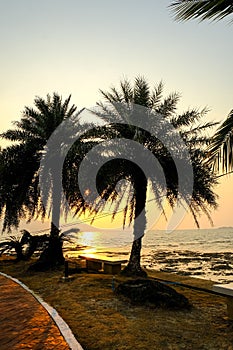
(61, 324)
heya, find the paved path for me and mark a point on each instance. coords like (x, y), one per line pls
(24, 322)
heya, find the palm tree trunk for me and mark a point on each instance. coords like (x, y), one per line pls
(133, 267)
(53, 254)
(54, 249)
(19, 252)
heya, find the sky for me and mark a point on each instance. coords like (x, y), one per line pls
(78, 47)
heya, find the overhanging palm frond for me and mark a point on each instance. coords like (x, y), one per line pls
(221, 147)
(201, 9)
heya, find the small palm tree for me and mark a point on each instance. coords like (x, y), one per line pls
(13, 243)
(202, 9)
(26, 246)
(20, 196)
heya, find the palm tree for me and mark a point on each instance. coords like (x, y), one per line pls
(20, 196)
(202, 9)
(119, 110)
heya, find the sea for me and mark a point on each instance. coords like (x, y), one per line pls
(201, 253)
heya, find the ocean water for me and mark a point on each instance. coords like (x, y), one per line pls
(199, 253)
(204, 254)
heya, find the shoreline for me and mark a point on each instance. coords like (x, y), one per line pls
(214, 266)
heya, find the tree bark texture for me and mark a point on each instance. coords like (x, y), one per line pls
(134, 265)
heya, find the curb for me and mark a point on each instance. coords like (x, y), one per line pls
(61, 324)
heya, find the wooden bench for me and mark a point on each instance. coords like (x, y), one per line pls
(227, 291)
(97, 262)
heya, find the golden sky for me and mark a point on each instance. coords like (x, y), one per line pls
(77, 47)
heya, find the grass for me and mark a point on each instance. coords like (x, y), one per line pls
(100, 320)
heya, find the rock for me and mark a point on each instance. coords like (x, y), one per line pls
(144, 291)
(220, 266)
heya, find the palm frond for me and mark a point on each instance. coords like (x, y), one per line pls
(169, 105)
(189, 117)
(141, 92)
(220, 150)
(201, 9)
(15, 135)
(127, 91)
(157, 95)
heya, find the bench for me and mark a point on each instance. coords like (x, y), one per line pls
(226, 290)
(97, 262)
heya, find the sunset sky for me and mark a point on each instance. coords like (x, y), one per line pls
(77, 47)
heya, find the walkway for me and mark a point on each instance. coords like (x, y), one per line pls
(24, 322)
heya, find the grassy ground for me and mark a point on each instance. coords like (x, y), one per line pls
(101, 320)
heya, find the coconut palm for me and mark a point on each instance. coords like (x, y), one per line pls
(202, 9)
(20, 196)
(119, 109)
